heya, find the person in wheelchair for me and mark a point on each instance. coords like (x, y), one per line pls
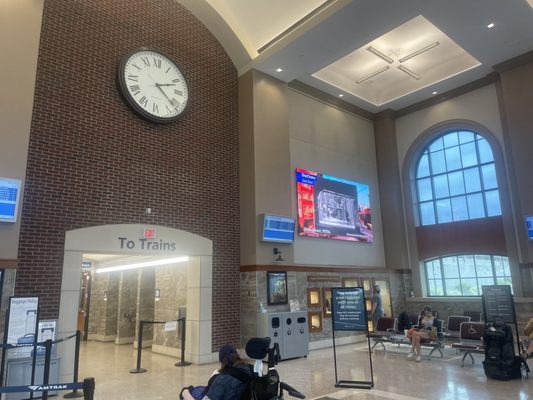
(228, 383)
(237, 380)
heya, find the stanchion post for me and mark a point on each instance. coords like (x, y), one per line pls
(75, 394)
(139, 370)
(182, 362)
(88, 389)
(46, 373)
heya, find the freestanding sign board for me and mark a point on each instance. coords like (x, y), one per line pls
(349, 314)
(21, 330)
(22, 324)
(349, 309)
(498, 303)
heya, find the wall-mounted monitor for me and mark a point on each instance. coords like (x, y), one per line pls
(529, 227)
(278, 229)
(333, 208)
(9, 199)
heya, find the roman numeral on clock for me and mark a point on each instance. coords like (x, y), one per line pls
(143, 101)
(135, 89)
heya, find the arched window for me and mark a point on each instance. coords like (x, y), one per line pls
(456, 179)
(464, 275)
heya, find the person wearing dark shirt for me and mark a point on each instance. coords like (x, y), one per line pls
(227, 383)
(227, 386)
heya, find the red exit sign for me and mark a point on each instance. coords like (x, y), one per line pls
(149, 233)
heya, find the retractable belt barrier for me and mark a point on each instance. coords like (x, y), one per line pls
(88, 385)
(32, 344)
(138, 369)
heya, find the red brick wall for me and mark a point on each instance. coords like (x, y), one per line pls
(92, 161)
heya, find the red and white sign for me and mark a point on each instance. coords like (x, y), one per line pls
(149, 233)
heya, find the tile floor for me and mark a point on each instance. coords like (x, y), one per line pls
(395, 377)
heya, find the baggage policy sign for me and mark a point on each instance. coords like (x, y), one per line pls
(348, 309)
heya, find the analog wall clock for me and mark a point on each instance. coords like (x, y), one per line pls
(153, 86)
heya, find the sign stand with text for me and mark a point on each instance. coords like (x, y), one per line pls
(349, 314)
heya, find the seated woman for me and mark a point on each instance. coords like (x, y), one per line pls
(228, 383)
(415, 335)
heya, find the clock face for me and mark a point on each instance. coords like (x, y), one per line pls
(153, 85)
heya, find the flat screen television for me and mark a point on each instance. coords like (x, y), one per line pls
(529, 227)
(278, 229)
(333, 208)
(9, 199)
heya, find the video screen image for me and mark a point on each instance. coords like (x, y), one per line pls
(332, 207)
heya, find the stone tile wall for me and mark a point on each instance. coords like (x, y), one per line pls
(172, 284)
(254, 293)
(7, 291)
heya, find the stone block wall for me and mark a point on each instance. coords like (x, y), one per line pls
(127, 307)
(172, 284)
(254, 292)
(104, 307)
(7, 291)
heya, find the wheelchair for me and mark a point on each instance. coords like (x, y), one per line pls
(268, 386)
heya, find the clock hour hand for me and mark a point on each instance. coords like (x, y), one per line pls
(165, 84)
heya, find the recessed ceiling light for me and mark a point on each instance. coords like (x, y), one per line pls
(434, 93)
(341, 95)
(279, 70)
(491, 25)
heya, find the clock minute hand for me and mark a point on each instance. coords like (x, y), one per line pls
(165, 84)
(158, 85)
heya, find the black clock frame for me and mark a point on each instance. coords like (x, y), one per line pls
(132, 104)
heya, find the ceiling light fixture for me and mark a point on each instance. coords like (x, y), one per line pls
(491, 25)
(380, 54)
(409, 72)
(154, 263)
(279, 70)
(341, 95)
(379, 71)
(434, 93)
(422, 50)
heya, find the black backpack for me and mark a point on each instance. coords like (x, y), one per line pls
(404, 322)
(500, 360)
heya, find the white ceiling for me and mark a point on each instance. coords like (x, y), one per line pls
(257, 22)
(343, 27)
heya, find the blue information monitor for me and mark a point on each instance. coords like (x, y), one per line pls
(9, 199)
(278, 229)
(348, 309)
(529, 226)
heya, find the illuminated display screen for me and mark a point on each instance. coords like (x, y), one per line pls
(9, 197)
(278, 229)
(333, 208)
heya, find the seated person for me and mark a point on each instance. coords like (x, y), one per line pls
(528, 331)
(423, 331)
(229, 382)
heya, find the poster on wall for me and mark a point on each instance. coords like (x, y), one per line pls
(333, 208)
(22, 324)
(277, 288)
